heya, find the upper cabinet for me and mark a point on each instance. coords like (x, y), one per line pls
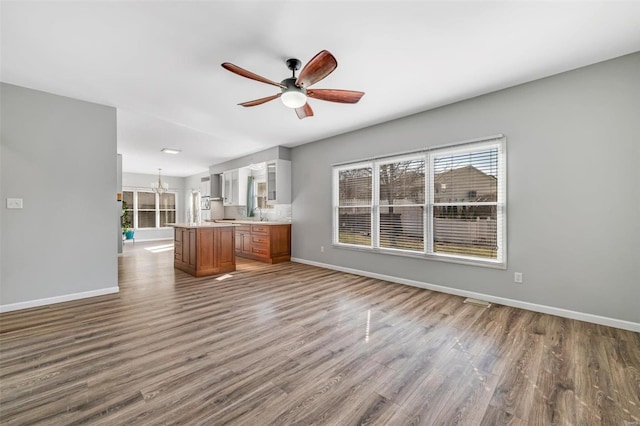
(276, 174)
(279, 182)
(234, 187)
(205, 186)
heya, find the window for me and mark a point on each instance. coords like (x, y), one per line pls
(354, 206)
(127, 208)
(146, 212)
(447, 204)
(147, 209)
(465, 217)
(261, 201)
(167, 208)
(402, 204)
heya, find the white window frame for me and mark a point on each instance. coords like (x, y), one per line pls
(376, 200)
(157, 206)
(498, 142)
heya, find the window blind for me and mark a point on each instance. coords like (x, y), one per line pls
(465, 203)
(401, 204)
(354, 206)
(146, 210)
(447, 202)
(167, 209)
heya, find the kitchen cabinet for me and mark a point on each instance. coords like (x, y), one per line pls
(266, 242)
(279, 182)
(202, 250)
(243, 240)
(185, 247)
(205, 186)
(234, 187)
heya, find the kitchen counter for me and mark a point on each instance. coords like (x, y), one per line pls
(249, 222)
(202, 225)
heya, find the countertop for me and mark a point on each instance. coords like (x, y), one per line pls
(203, 225)
(250, 222)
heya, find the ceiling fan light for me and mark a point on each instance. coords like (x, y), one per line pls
(293, 98)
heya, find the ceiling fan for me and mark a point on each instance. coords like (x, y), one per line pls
(295, 91)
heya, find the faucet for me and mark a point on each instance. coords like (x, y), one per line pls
(259, 213)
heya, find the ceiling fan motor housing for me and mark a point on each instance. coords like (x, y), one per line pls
(291, 86)
(293, 96)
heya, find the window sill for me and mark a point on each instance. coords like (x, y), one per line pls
(423, 256)
(153, 229)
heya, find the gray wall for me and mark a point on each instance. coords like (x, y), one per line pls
(58, 155)
(573, 166)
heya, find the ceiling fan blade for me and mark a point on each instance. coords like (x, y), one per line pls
(248, 74)
(260, 101)
(336, 95)
(316, 69)
(304, 111)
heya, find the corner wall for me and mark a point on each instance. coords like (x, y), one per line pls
(58, 155)
(573, 181)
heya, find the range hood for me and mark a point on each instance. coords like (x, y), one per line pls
(216, 187)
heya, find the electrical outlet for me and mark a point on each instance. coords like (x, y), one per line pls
(321, 249)
(517, 277)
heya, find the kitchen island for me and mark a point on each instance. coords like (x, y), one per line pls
(205, 248)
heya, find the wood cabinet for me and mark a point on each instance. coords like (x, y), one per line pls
(243, 239)
(266, 243)
(203, 251)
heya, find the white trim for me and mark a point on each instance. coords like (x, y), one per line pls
(440, 257)
(57, 299)
(565, 313)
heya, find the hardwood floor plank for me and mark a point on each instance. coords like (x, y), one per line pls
(469, 402)
(434, 391)
(296, 344)
(516, 392)
(495, 417)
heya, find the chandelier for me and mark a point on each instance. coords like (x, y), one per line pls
(159, 187)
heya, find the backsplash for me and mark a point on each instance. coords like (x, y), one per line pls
(280, 213)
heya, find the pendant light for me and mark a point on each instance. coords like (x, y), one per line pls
(159, 187)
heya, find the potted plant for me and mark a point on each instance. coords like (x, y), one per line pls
(125, 222)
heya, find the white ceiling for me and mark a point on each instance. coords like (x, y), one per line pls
(159, 62)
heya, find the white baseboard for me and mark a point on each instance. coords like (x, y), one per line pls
(581, 316)
(57, 299)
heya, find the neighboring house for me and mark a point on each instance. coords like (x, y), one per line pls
(464, 184)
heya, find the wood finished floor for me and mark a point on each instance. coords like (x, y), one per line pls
(295, 344)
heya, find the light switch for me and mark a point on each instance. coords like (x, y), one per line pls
(14, 203)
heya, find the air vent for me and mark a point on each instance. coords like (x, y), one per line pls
(477, 302)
